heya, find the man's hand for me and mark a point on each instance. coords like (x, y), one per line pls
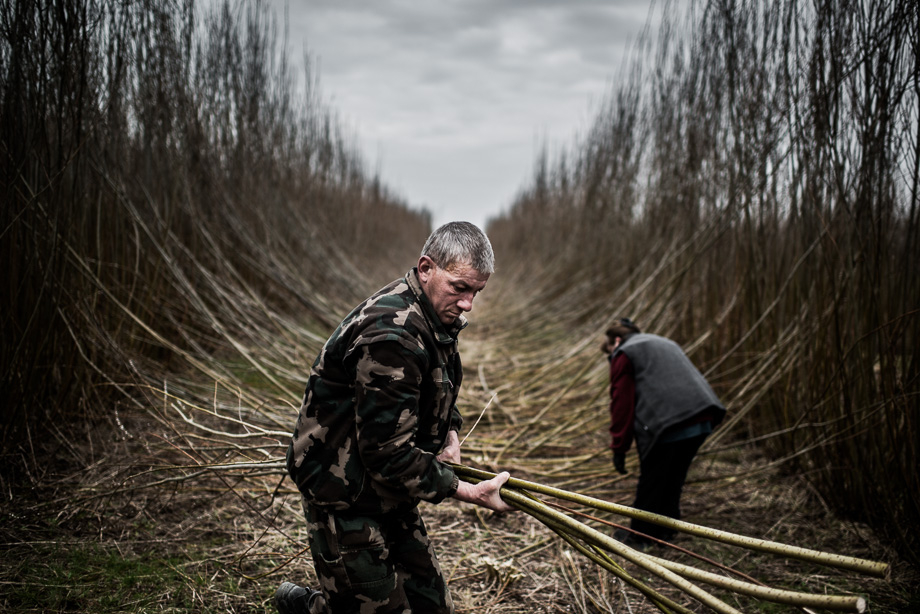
(485, 493)
(451, 451)
(619, 462)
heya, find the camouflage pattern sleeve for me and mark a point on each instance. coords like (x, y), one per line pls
(388, 382)
(456, 420)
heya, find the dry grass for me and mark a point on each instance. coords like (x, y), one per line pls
(207, 546)
(106, 531)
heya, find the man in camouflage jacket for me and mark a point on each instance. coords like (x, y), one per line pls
(378, 420)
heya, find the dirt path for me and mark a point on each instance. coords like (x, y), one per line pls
(114, 535)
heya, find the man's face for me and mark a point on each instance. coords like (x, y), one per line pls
(451, 290)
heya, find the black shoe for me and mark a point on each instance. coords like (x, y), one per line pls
(632, 540)
(293, 599)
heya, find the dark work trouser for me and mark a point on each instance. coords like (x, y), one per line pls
(381, 564)
(662, 474)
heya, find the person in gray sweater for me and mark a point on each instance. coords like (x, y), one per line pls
(659, 399)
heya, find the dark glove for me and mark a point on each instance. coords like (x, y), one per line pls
(619, 462)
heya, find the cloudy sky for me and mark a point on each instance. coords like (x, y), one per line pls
(451, 100)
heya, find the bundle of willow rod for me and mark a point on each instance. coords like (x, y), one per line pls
(598, 546)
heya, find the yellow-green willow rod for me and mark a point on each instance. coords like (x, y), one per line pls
(844, 603)
(601, 558)
(608, 543)
(562, 524)
(872, 568)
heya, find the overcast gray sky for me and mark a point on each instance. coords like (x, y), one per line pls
(451, 100)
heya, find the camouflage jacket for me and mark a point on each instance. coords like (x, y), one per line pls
(378, 406)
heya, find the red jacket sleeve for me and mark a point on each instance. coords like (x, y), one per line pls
(622, 403)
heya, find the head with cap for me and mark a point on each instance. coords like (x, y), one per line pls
(454, 266)
(622, 328)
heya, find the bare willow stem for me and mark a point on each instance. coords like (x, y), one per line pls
(843, 603)
(872, 568)
(606, 542)
(601, 558)
(568, 529)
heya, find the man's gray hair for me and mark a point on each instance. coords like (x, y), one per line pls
(460, 242)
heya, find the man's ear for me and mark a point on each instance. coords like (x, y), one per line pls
(425, 267)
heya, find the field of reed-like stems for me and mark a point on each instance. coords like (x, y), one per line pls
(181, 232)
(168, 198)
(755, 196)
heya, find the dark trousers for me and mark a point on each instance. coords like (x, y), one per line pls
(662, 473)
(375, 564)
